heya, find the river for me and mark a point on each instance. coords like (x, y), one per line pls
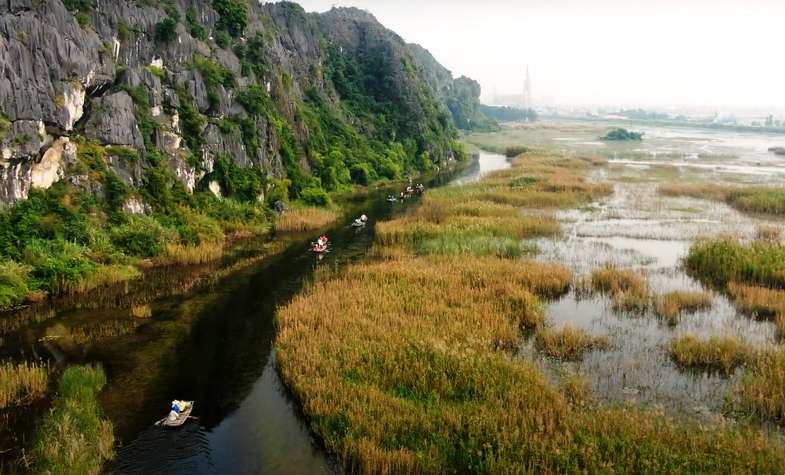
(213, 346)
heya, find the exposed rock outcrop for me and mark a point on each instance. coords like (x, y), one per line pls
(110, 78)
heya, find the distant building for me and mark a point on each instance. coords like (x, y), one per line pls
(526, 99)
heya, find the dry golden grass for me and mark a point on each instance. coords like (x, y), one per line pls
(672, 305)
(568, 343)
(709, 191)
(757, 301)
(762, 390)
(612, 281)
(628, 289)
(192, 255)
(22, 382)
(305, 219)
(724, 353)
(768, 233)
(575, 387)
(404, 364)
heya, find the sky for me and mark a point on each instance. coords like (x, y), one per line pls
(646, 53)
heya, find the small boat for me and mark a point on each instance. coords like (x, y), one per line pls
(181, 418)
(317, 249)
(391, 199)
(357, 224)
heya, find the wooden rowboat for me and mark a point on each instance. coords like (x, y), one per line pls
(181, 418)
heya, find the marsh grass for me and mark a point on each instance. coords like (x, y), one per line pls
(21, 383)
(202, 253)
(568, 343)
(305, 219)
(672, 305)
(718, 353)
(407, 364)
(628, 289)
(761, 392)
(752, 199)
(756, 301)
(723, 260)
(768, 233)
(73, 437)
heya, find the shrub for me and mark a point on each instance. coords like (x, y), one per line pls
(166, 30)
(13, 283)
(512, 152)
(233, 16)
(622, 135)
(315, 197)
(139, 237)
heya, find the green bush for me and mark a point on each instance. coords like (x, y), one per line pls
(166, 30)
(13, 283)
(196, 29)
(315, 197)
(140, 236)
(620, 134)
(233, 16)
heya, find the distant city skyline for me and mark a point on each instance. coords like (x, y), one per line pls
(720, 54)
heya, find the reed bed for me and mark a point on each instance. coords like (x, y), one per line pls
(405, 368)
(762, 390)
(405, 364)
(21, 383)
(768, 233)
(627, 288)
(723, 260)
(752, 199)
(672, 305)
(73, 437)
(192, 255)
(305, 219)
(718, 353)
(756, 301)
(568, 343)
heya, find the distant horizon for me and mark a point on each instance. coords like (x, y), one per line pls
(693, 54)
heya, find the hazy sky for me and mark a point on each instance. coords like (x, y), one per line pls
(634, 52)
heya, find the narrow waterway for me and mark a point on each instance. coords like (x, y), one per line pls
(248, 423)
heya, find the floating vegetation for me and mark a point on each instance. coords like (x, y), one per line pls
(568, 343)
(718, 353)
(23, 382)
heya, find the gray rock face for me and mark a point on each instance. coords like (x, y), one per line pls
(113, 122)
(59, 80)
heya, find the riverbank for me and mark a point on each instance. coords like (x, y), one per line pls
(419, 359)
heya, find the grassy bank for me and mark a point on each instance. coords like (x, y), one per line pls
(410, 364)
(74, 438)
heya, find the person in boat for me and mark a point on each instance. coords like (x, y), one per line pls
(360, 221)
(420, 188)
(177, 408)
(391, 198)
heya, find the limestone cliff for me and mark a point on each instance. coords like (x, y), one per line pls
(318, 99)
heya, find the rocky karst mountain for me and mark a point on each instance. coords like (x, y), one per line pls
(318, 99)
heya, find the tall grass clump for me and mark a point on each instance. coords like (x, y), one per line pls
(718, 353)
(761, 391)
(568, 343)
(672, 305)
(305, 219)
(756, 301)
(198, 254)
(13, 283)
(74, 437)
(723, 260)
(22, 382)
(709, 191)
(477, 245)
(628, 289)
